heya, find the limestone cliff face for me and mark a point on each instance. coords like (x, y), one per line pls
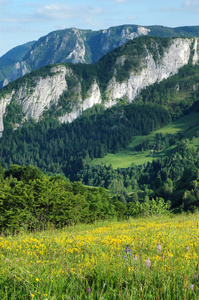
(126, 34)
(3, 104)
(74, 46)
(35, 101)
(176, 56)
(85, 46)
(94, 97)
(47, 91)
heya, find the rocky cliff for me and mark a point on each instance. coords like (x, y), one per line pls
(76, 45)
(155, 64)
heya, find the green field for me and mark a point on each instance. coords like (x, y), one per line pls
(138, 259)
(188, 125)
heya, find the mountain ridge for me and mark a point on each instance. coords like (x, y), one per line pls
(86, 46)
(69, 89)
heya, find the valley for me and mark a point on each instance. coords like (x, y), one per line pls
(188, 126)
(99, 165)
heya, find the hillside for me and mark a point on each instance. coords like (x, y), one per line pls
(66, 90)
(141, 150)
(12, 57)
(69, 148)
(132, 91)
(37, 104)
(82, 46)
(143, 258)
(99, 166)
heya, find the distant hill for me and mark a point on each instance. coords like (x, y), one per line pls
(8, 60)
(79, 46)
(66, 90)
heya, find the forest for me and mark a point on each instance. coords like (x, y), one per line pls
(31, 200)
(63, 148)
(56, 158)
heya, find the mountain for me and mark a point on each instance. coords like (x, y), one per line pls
(68, 89)
(12, 57)
(82, 46)
(162, 74)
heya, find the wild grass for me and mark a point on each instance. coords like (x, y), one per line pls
(154, 258)
(188, 125)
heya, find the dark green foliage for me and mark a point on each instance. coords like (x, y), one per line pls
(87, 74)
(24, 173)
(174, 178)
(14, 114)
(103, 70)
(30, 199)
(186, 31)
(33, 201)
(69, 99)
(68, 148)
(133, 51)
(63, 148)
(160, 142)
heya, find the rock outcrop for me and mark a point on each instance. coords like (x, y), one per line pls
(47, 91)
(176, 56)
(74, 46)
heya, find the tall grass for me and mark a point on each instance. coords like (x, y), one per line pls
(136, 259)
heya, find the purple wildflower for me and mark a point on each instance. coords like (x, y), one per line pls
(159, 248)
(127, 249)
(148, 263)
(195, 277)
(7, 260)
(89, 290)
(191, 287)
(135, 257)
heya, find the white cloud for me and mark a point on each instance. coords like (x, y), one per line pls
(191, 5)
(120, 1)
(58, 11)
(80, 16)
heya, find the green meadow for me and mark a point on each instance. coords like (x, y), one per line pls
(137, 259)
(188, 125)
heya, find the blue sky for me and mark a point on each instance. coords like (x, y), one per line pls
(22, 21)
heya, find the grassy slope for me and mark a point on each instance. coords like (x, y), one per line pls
(188, 125)
(109, 260)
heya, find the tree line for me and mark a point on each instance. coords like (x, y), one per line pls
(174, 178)
(63, 148)
(31, 200)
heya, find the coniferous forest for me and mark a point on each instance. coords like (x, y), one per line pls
(60, 155)
(75, 222)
